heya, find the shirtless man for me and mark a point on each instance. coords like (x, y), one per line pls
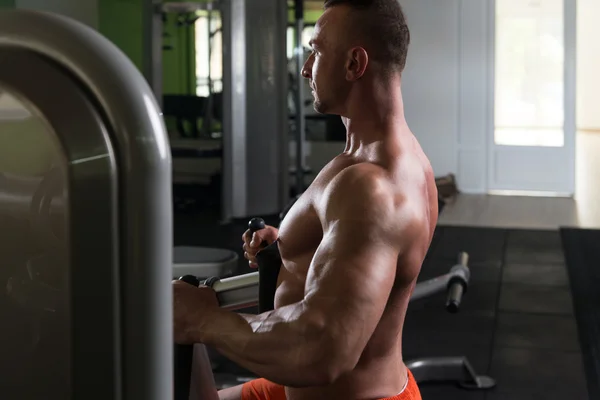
(353, 244)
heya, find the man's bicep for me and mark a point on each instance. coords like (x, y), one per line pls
(354, 269)
(349, 282)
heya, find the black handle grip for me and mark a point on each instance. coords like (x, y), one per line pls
(456, 289)
(183, 355)
(190, 279)
(269, 263)
(255, 225)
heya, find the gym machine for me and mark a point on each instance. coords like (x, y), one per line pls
(159, 9)
(254, 98)
(193, 371)
(300, 120)
(85, 293)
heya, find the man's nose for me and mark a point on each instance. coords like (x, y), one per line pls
(306, 70)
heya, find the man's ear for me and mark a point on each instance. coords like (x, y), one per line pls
(358, 59)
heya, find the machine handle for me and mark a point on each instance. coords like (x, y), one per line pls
(463, 259)
(255, 225)
(456, 289)
(458, 283)
(190, 279)
(267, 272)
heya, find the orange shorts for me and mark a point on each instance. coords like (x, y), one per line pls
(261, 389)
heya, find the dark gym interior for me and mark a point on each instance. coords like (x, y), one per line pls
(118, 177)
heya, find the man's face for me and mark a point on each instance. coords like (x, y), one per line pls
(325, 67)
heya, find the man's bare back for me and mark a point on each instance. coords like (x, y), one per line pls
(380, 372)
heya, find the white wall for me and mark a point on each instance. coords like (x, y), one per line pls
(446, 86)
(85, 11)
(588, 64)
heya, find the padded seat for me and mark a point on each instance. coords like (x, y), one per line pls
(203, 262)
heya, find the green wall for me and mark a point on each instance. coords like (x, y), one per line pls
(118, 20)
(122, 23)
(310, 17)
(179, 61)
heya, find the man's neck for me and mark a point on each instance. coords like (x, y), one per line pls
(374, 113)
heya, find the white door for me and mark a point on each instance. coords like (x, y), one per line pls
(532, 144)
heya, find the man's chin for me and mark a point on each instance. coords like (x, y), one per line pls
(318, 107)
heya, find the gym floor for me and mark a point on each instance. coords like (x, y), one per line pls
(516, 323)
(536, 212)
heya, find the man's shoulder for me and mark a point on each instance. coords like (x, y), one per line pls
(362, 191)
(363, 181)
(372, 192)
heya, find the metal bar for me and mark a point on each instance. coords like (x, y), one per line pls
(283, 85)
(430, 287)
(242, 291)
(300, 121)
(238, 292)
(463, 259)
(449, 369)
(207, 121)
(441, 369)
(235, 177)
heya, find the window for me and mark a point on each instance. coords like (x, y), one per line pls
(529, 104)
(307, 33)
(209, 53)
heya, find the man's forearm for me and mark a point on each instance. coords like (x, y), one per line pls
(283, 346)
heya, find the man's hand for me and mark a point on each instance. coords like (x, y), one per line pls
(252, 242)
(192, 308)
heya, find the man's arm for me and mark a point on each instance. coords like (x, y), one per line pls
(313, 342)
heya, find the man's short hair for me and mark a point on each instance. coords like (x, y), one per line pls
(383, 25)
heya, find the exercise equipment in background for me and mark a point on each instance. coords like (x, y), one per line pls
(300, 122)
